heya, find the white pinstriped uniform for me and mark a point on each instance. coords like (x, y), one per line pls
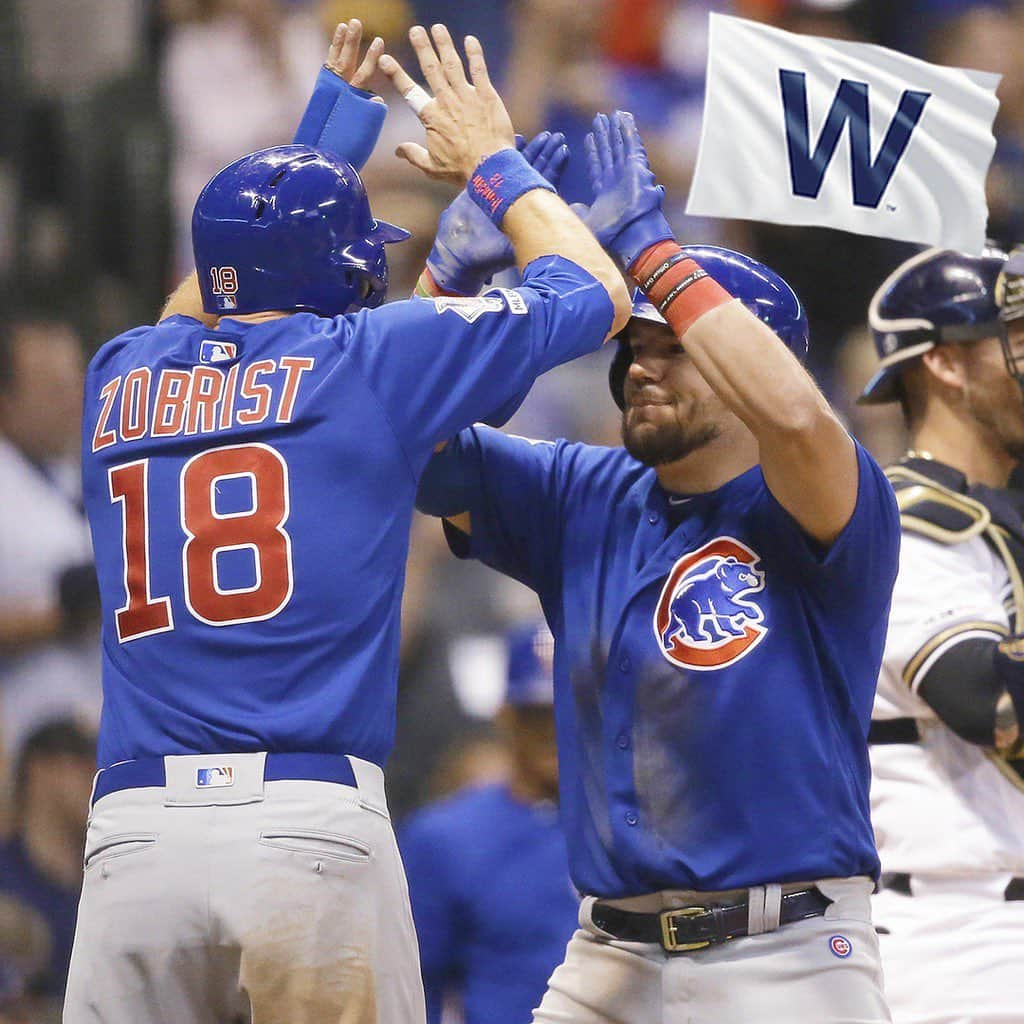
(945, 811)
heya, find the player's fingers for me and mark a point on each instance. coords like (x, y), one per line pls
(418, 157)
(615, 134)
(553, 157)
(416, 96)
(520, 141)
(535, 146)
(429, 64)
(334, 53)
(593, 162)
(602, 141)
(546, 148)
(557, 166)
(632, 143)
(451, 62)
(364, 72)
(478, 73)
(349, 55)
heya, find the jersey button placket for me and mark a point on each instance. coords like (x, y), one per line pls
(632, 818)
(622, 741)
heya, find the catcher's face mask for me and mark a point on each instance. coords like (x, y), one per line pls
(1010, 299)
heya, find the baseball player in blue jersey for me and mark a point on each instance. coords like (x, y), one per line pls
(718, 593)
(250, 487)
(487, 868)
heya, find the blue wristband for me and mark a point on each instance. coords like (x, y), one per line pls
(341, 119)
(500, 180)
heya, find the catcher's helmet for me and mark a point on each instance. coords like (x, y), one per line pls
(936, 297)
(289, 228)
(759, 288)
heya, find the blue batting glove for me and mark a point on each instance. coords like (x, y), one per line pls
(626, 215)
(469, 249)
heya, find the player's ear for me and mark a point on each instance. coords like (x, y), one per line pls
(946, 364)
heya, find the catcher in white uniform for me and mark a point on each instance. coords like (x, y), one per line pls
(948, 762)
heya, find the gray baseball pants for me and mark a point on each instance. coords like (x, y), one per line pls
(279, 902)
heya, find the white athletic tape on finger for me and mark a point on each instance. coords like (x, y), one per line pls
(417, 98)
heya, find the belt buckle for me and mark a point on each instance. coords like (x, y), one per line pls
(669, 940)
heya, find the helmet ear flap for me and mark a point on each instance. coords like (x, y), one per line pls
(617, 371)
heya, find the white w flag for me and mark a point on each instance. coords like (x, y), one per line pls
(803, 130)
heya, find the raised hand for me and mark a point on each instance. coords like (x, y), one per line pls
(343, 55)
(469, 248)
(626, 213)
(465, 120)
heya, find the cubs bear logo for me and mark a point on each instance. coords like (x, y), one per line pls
(706, 617)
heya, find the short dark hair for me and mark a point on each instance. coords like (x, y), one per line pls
(56, 738)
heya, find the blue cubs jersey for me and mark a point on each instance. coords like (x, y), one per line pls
(492, 901)
(714, 668)
(250, 491)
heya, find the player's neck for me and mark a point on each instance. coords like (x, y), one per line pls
(256, 318)
(731, 453)
(966, 445)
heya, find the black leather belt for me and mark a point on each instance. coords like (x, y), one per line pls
(899, 881)
(686, 929)
(886, 731)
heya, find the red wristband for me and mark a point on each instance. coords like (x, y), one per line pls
(428, 288)
(677, 286)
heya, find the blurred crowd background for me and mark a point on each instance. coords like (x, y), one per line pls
(116, 112)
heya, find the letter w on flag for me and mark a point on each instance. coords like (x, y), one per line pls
(870, 177)
(802, 130)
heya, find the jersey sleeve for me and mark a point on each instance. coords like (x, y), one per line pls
(510, 487)
(435, 911)
(861, 562)
(944, 595)
(438, 365)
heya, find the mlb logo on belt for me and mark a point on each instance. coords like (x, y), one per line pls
(215, 778)
(707, 616)
(217, 351)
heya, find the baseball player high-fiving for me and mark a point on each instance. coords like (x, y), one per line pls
(250, 466)
(718, 594)
(947, 792)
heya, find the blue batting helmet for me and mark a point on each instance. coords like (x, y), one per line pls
(531, 658)
(936, 297)
(758, 287)
(289, 228)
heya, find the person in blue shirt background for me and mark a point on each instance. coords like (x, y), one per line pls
(497, 846)
(41, 861)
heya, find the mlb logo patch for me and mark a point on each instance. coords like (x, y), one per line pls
(217, 351)
(215, 778)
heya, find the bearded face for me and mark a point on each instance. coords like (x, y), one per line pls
(991, 395)
(671, 410)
